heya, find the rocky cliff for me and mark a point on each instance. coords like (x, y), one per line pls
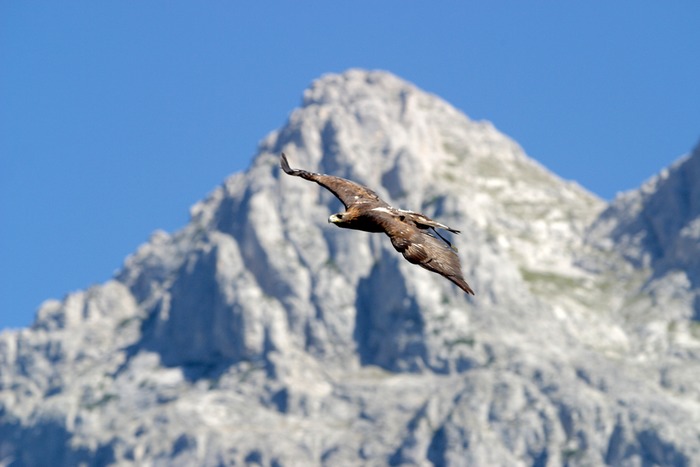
(260, 334)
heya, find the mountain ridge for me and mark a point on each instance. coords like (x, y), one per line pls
(259, 334)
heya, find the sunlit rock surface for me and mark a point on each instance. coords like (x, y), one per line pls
(261, 335)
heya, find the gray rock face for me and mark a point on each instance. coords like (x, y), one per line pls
(658, 227)
(261, 335)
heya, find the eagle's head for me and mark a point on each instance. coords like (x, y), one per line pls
(336, 218)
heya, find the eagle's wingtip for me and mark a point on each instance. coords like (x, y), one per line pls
(285, 164)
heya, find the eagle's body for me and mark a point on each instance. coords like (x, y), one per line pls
(408, 231)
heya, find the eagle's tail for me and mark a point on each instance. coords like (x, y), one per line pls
(423, 221)
(444, 239)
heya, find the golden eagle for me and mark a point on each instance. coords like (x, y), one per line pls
(410, 232)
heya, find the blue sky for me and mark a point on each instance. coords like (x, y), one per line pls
(116, 117)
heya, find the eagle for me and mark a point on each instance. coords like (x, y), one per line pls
(411, 233)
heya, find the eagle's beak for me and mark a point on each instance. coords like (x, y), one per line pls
(332, 219)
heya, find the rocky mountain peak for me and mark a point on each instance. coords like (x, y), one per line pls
(659, 223)
(260, 334)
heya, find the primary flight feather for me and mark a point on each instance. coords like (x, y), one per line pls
(409, 232)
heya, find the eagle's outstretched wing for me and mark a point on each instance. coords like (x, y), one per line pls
(349, 193)
(421, 248)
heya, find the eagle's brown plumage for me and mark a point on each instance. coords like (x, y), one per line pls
(409, 231)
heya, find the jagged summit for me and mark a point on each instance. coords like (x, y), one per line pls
(260, 334)
(658, 224)
(654, 232)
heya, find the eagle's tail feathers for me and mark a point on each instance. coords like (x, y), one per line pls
(445, 240)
